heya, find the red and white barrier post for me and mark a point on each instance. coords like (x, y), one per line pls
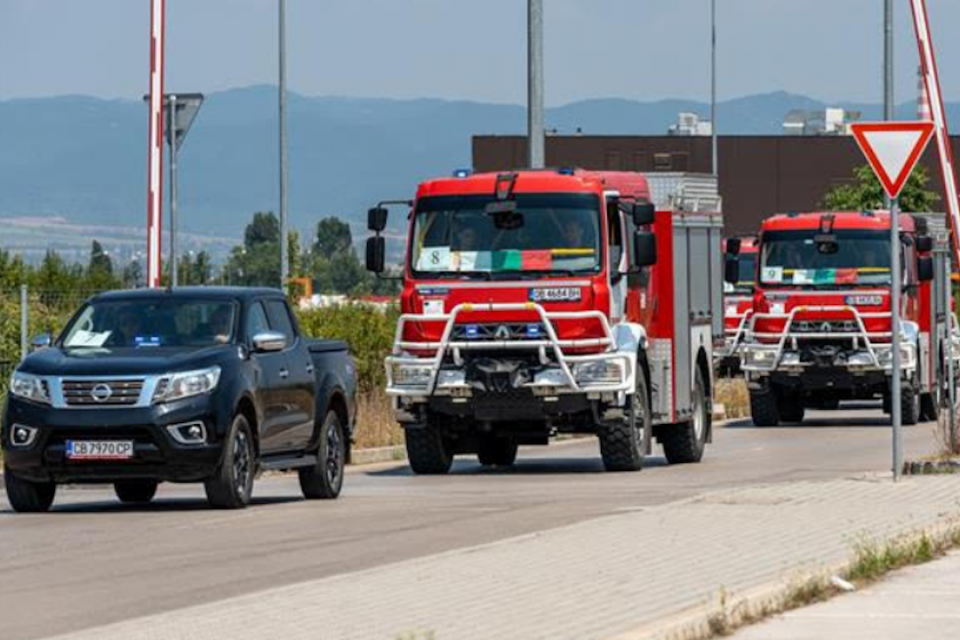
(155, 162)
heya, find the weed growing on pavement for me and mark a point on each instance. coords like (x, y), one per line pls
(733, 395)
(872, 561)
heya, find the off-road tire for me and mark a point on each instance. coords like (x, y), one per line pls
(26, 496)
(684, 443)
(324, 480)
(624, 443)
(763, 407)
(497, 451)
(909, 405)
(428, 451)
(231, 486)
(135, 491)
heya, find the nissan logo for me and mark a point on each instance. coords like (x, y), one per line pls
(101, 392)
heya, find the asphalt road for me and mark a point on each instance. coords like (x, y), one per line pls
(92, 561)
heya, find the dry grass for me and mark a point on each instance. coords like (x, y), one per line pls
(376, 426)
(733, 394)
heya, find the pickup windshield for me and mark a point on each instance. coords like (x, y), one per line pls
(458, 237)
(140, 324)
(859, 257)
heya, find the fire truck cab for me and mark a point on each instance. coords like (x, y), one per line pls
(820, 331)
(558, 301)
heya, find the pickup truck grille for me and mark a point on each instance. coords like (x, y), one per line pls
(102, 393)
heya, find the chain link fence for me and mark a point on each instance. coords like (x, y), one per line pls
(25, 313)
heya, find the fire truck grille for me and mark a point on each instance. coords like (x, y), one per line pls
(825, 326)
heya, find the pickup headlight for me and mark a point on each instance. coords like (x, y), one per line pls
(29, 387)
(411, 375)
(599, 372)
(177, 386)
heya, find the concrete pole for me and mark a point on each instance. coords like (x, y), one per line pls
(284, 259)
(715, 164)
(948, 352)
(171, 127)
(535, 109)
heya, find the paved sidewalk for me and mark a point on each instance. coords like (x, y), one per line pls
(919, 602)
(635, 573)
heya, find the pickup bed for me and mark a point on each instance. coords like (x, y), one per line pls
(206, 385)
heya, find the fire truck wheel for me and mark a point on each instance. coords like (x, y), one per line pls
(791, 407)
(763, 407)
(684, 443)
(909, 405)
(496, 451)
(624, 444)
(428, 451)
(930, 406)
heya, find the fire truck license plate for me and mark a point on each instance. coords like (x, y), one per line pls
(864, 301)
(556, 294)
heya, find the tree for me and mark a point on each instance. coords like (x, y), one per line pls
(100, 270)
(333, 237)
(866, 194)
(257, 262)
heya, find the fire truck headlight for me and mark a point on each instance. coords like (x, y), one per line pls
(761, 357)
(599, 372)
(411, 375)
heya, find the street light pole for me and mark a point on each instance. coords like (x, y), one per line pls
(284, 260)
(715, 164)
(171, 128)
(535, 110)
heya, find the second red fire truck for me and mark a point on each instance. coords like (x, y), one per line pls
(545, 302)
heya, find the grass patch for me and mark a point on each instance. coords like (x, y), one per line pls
(376, 426)
(733, 395)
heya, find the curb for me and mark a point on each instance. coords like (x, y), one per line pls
(741, 610)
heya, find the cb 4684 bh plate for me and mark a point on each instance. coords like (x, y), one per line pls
(556, 294)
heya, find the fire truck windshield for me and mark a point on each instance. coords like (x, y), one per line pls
(457, 236)
(748, 271)
(860, 257)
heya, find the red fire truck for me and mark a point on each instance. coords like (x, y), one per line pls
(545, 302)
(820, 330)
(737, 301)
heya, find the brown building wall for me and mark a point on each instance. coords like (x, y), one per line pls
(759, 175)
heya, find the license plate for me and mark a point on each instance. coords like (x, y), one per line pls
(99, 449)
(864, 301)
(557, 294)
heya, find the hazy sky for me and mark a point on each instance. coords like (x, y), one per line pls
(470, 49)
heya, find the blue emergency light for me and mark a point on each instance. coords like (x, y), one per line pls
(462, 173)
(533, 331)
(472, 331)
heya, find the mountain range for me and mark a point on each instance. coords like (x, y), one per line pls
(83, 159)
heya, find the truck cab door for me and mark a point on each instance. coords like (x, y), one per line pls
(616, 256)
(298, 383)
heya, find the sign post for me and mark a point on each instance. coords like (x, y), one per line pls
(893, 150)
(155, 143)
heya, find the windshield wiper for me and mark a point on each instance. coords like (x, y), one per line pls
(456, 275)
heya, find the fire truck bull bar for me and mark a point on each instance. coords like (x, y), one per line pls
(415, 376)
(733, 338)
(762, 357)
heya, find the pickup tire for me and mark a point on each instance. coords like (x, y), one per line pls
(684, 443)
(26, 496)
(624, 444)
(136, 491)
(324, 480)
(763, 407)
(231, 485)
(428, 450)
(909, 405)
(497, 451)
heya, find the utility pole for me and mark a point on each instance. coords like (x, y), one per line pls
(715, 163)
(172, 136)
(284, 260)
(535, 114)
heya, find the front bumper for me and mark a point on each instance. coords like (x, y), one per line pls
(157, 455)
(758, 358)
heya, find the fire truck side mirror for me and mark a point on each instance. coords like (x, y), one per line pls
(376, 254)
(377, 219)
(731, 270)
(924, 244)
(733, 246)
(644, 249)
(642, 213)
(924, 269)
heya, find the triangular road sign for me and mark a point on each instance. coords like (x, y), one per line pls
(893, 149)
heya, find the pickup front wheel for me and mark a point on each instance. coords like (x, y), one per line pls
(26, 496)
(324, 480)
(231, 485)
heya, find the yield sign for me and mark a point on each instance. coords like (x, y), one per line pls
(893, 149)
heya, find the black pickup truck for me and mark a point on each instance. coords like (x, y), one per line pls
(205, 385)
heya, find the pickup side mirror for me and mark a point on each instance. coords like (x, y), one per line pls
(924, 244)
(925, 269)
(644, 249)
(269, 342)
(731, 270)
(42, 341)
(377, 219)
(376, 254)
